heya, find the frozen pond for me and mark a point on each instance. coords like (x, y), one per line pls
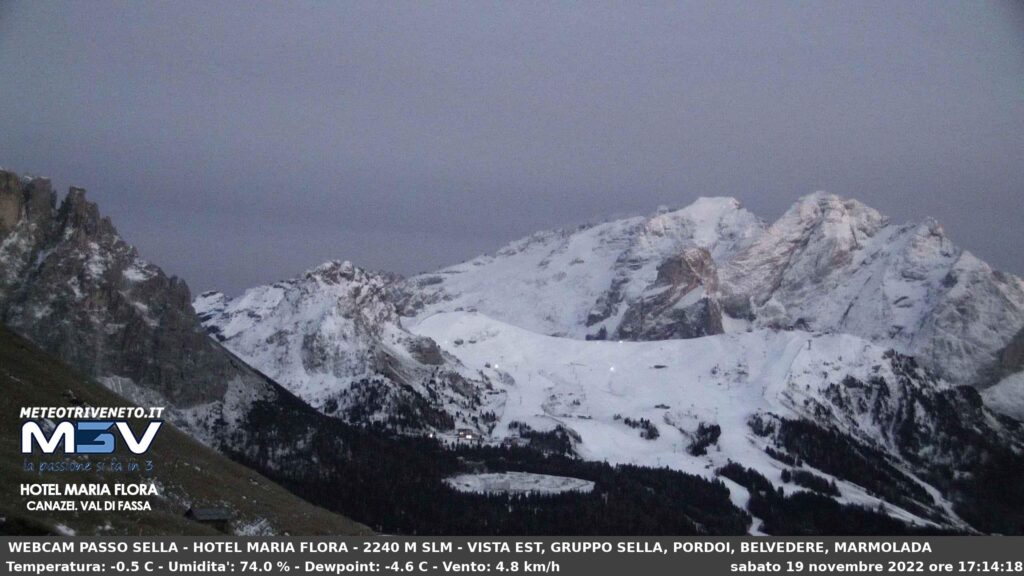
(518, 483)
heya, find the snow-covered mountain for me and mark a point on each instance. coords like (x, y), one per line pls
(582, 282)
(699, 339)
(691, 339)
(1007, 396)
(835, 265)
(828, 265)
(332, 336)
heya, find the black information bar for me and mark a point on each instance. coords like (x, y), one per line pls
(505, 556)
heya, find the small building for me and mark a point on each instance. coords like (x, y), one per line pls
(217, 518)
(468, 434)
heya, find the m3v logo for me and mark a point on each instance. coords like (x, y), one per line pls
(86, 437)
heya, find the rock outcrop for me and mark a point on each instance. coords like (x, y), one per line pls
(681, 303)
(72, 286)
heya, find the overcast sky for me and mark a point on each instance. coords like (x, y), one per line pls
(240, 143)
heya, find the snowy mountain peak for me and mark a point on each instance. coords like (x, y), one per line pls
(828, 217)
(835, 265)
(828, 264)
(581, 282)
(333, 337)
(703, 210)
(714, 223)
(335, 271)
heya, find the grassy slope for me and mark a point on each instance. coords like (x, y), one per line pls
(188, 471)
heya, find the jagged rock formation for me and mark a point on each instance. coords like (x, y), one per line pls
(72, 286)
(69, 283)
(12, 201)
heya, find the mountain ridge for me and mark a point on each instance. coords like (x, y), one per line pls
(653, 285)
(828, 264)
(694, 337)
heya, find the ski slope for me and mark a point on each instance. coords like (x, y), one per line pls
(592, 387)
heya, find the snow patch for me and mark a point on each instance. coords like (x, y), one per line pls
(1007, 397)
(64, 530)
